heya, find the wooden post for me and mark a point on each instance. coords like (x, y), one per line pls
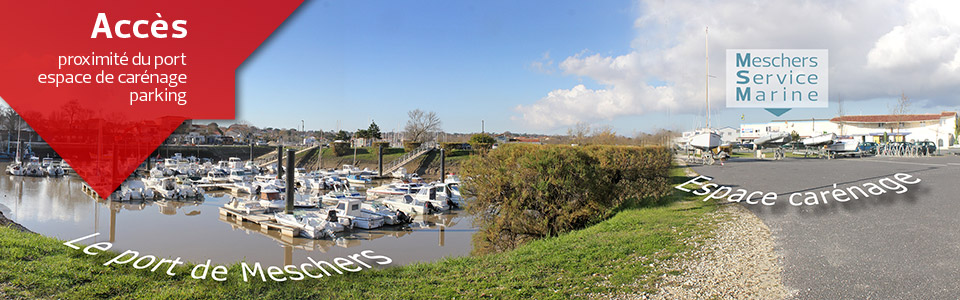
(290, 188)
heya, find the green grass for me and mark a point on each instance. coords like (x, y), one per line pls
(608, 257)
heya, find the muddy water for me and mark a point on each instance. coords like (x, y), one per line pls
(194, 230)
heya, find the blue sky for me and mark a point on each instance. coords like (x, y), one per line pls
(520, 65)
(468, 61)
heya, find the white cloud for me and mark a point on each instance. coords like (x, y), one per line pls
(877, 49)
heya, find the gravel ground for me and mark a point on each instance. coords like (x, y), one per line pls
(737, 262)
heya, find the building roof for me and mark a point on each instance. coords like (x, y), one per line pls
(893, 118)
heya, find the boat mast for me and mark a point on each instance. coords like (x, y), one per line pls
(706, 42)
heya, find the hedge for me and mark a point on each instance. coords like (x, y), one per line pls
(527, 192)
(410, 146)
(340, 148)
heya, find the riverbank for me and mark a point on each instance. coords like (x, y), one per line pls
(639, 251)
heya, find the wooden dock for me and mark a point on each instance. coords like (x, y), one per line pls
(266, 221)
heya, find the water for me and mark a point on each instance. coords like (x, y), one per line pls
(195, 232)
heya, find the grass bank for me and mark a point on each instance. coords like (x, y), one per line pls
(609, 257)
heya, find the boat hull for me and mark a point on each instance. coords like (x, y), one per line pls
(705, 140)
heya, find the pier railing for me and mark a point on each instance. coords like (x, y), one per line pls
(409, 156)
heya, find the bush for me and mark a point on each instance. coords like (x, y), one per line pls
(450, 147)
(526, 192)
(340, 148)
(482, 141)
(376, 145)
(410, 145)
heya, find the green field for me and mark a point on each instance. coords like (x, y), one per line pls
(609, 257)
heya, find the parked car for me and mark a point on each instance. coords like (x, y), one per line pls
(926, 147)
(868, 147)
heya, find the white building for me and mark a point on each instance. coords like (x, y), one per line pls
(938, 128)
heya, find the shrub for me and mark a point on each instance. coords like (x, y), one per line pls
(450, 147)
(340, 148)
(376, 145)
(482, 141)
(526, 192)
(410, 145)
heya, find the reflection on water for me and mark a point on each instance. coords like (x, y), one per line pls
(194, 230)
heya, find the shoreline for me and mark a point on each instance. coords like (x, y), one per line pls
(5, 222)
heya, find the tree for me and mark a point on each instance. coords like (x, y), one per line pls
(342, 135)
(579, 133)
(373, 132)
(422, 125)
(481, 141)
(902, 107)
(604, 136)
(10, 120)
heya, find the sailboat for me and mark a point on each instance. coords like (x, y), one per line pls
(705, 138)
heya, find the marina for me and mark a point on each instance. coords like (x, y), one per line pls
(205, 227)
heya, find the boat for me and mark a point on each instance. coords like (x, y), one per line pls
(395, 188)
(390, 216)
(311, 225)
(820, 140)
(53, 169)
(409, 205)
(341, 192)
(239, 175)
(15, 169)
(134, 189)
(439, 200)
(163, 187)
(186, 189)
(705, 138)
(348, 210)
(844, 145)
(774, 139)
(357, 179)
(33, 168)
(452, 178)
(216, 175)
(247, 207)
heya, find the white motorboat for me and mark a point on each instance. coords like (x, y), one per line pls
(774, 139)
(395, 188)
(15, 169)
(216, 175)
(163, 187)
(247, 207)
(349, 210)
(390, 216)
(311, 225)
(186, 189)
(409, 205)
(134, 189)
(53, 169)
(239, 175)
(440, 201)
(844, 145)
(820, 140)
(33, 168)
(341, 192)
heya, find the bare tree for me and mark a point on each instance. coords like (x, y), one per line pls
(10, 120)
(903, 106)
(422, 125)
(605, 135)
(579, 133)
